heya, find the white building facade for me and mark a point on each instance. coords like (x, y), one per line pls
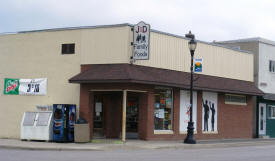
(264, 78)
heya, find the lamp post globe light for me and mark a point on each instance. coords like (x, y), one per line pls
(192, 44)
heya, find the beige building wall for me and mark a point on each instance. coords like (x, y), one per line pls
(253, 47)
(172, 52)
(105, 45)
(112, 45)
(37, 55)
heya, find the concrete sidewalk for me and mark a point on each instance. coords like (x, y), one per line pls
(104, 145)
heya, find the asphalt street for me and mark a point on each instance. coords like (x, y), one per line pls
(248, 153)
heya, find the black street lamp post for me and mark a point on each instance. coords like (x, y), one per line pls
(190, 128)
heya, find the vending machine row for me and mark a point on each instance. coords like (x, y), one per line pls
(64, 118)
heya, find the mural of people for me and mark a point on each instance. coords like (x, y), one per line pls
(206, 114)
(213, 111)
(209, 112)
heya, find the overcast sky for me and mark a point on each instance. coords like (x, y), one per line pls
(208, 19)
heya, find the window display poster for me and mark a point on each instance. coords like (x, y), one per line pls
(209, 111)
(98, 107)
(168, 102)
(161, 113)
(162, 101)
(157, 105)
(185, 110)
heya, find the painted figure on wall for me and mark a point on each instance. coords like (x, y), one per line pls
(213, 111)
(209, 112)
(206, 115)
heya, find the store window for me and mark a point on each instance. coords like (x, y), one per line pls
(235, 99)
(272, 66)
(163, 109)
(271, 112)
(68, 48)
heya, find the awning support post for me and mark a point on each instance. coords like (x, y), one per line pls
(124, 116)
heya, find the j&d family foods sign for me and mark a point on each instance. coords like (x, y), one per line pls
(141, 41)
(25, 86)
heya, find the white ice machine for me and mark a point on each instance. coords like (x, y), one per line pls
(36, 126)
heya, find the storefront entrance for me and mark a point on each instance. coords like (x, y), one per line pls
(99, 116)
(107, 115)
(262, 119)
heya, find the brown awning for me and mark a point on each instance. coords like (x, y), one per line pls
(127, 73)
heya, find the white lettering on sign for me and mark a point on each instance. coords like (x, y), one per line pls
(141, 41)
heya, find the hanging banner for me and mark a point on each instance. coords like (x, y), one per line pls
(209, 112)
(141, 41)
(25, 86)
(198, 65)
(185, 110)
(33, 86)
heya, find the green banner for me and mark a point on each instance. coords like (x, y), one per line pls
(11, 86)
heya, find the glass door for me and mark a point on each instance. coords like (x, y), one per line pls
(132, 118)
(98, 130)
(262, 119)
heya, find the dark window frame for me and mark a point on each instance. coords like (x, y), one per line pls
(272, 66)
(271, 111)
(235, 99)
(68, 48)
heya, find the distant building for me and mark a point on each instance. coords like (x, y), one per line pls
(264, 78)
(90, 67)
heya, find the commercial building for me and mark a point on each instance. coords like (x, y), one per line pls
(264, 69)
(92, 68)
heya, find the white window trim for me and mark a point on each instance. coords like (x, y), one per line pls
(235, 103)
(210, 132)
(163, 132)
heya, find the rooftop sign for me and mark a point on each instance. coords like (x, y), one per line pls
(141, 41)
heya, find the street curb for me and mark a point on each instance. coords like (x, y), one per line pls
(48, 148)
(138, 146)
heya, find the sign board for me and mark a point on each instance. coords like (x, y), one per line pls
(33, 86)
(11, 86)
(198, 65)
(141, 41)
(25, 86)
(98, 107)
